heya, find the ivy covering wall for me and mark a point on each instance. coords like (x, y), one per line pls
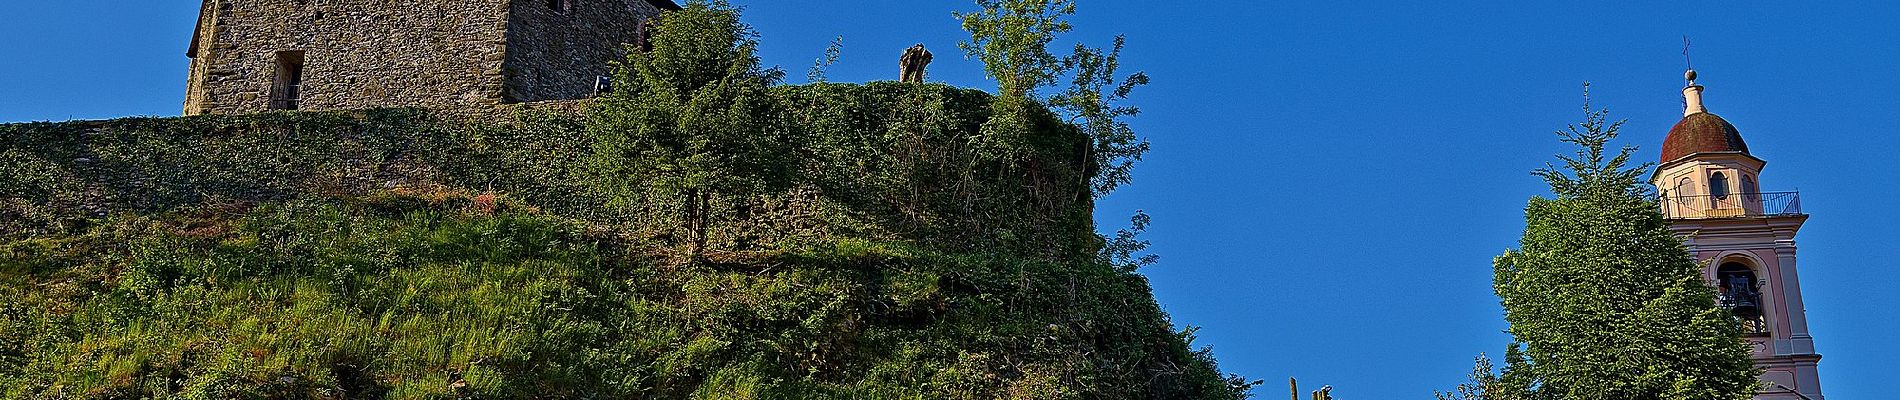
(887, 160)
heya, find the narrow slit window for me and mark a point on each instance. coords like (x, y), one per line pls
(287, 90)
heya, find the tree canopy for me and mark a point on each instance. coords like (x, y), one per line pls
(1604, 300)
(693, 123)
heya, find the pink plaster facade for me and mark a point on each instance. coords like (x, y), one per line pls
(1766, 245)
(1756, 230)
(1687, 185)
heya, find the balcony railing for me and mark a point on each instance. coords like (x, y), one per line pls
(1736, 205)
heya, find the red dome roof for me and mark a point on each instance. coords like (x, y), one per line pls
(1702, 133)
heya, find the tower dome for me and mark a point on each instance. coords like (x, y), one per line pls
(1699, 131)
(1702, 132)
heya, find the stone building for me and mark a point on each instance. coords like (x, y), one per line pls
(1712, 196)
(252, 56)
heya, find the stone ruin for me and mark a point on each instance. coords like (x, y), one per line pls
(252, 56)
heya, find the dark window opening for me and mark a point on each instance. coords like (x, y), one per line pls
(561, 6)
(1740, 292)
(642, 36)
(1749, 189)
(287, 88)
(1718, 186)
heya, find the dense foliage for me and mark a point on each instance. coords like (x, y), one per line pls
(871, 160)
(1012, 38)
(434, 294)
(1604, 300)
(856, 241)
(693, 123)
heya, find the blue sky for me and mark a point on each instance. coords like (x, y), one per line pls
(1330, 179)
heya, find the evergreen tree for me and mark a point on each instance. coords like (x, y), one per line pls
(1606, 301)
(692, 123)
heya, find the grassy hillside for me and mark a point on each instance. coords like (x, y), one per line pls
(403, 254)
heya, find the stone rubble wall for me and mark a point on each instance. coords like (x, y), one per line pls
(357, 54)
(453, 55)
(200, 65)
(555, 55)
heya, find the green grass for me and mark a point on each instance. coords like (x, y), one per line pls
(397, 253)
(401, 296)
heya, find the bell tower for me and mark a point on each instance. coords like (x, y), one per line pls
(1711, 194)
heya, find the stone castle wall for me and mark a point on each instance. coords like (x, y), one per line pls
(357, 53)
(558, 55)
(195, 96)
(463, 54)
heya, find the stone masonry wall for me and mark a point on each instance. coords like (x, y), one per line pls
(357, 54)
(556, 54)
(194, 86)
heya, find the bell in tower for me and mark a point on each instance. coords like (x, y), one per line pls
(1739, 293)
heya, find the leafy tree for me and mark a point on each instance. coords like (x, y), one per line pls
(694, 123)
(1604, 299)
(1124, 250)
(1012, 38)
(1095, 102)
(1486, 384)
(821, 68)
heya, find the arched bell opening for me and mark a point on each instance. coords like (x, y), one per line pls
(1739, 290)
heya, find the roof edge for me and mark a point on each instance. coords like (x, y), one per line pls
(192, 51)
(197, 29)
(1685, 158)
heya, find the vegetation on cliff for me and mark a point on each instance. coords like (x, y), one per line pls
(428, 294)
(879, 248)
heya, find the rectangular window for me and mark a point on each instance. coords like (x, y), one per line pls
(561, 6)
(287, 88)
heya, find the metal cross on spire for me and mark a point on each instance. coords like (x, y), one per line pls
(1690, 75)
